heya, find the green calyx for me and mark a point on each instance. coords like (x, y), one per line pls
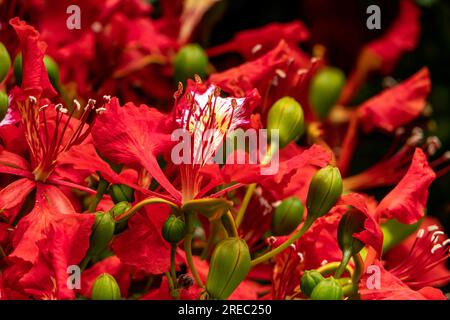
(229, 265)
(102, 233)
(5, 62)
(190, 60)
(105, 288)
(174, 229)
(309, 281)
(328, 289)
(325, 90)
(287, 216)
(324, 191)
(121, 192)
(3, 104)
(286, 116)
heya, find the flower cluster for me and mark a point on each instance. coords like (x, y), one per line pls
(105, 197)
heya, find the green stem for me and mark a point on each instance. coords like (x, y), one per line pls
(188, 249)
(359, 268)
(173, 250)
(101, 189)
(213, 228)
(294, 237)
(248, 196)
(130, 212)
(172, 290)
(347, 254)
(230, 225)
(332, 267)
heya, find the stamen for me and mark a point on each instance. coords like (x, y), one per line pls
(436, 247)
(77, 104)
(280, 73)
(256, 48)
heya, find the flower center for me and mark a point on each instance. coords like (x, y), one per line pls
(52, 129)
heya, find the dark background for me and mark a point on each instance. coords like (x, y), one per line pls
(341, 27)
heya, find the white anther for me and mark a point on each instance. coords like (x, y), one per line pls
(32, 99)
(400, 131)
(300, 256)
(280, 73)
(436, 247)
(301, 72)
(446, 242)
(107, 98)
(271, 240)
(100, 110)
(276, 203)
(256, 48)
(293, 247)
(96, 27)
(435, 236)
(77, 104)
(420, 233)
(433, 228)
(43, 107)
(324, 262)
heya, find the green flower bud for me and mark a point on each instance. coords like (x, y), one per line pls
(328, 289)
(351, 222)
(50, 65)
(230, 264)
(324, 191)
(309, 281)
(5, 62)
(102, 233)
(121, 192)
(52, 70)
(287, 216)
(3, 104)
(174, 229)
(116, 211)
(105, 288)
(325, 90)
(286, 115)
(190, 60)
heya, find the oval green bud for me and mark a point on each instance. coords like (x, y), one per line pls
(309, 281)
(102, 233)
(325, 90)
(351, 222)
(117, 210)
(5, 62)
(328, 289)
(230, 264)
(189, 61)
(174, 229)
(3, 104)
(50, 65)
(121, 192)
(286, 116)
(105, 288)
(287, 216)
(324, 191)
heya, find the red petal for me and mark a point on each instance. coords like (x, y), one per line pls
(142, 246)
(35, 79)
(52, 237)
(392, 288)
(13, 196)
(397, 106)
(254, 42)
(133, 136)
(401, 37)
(407, 201)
